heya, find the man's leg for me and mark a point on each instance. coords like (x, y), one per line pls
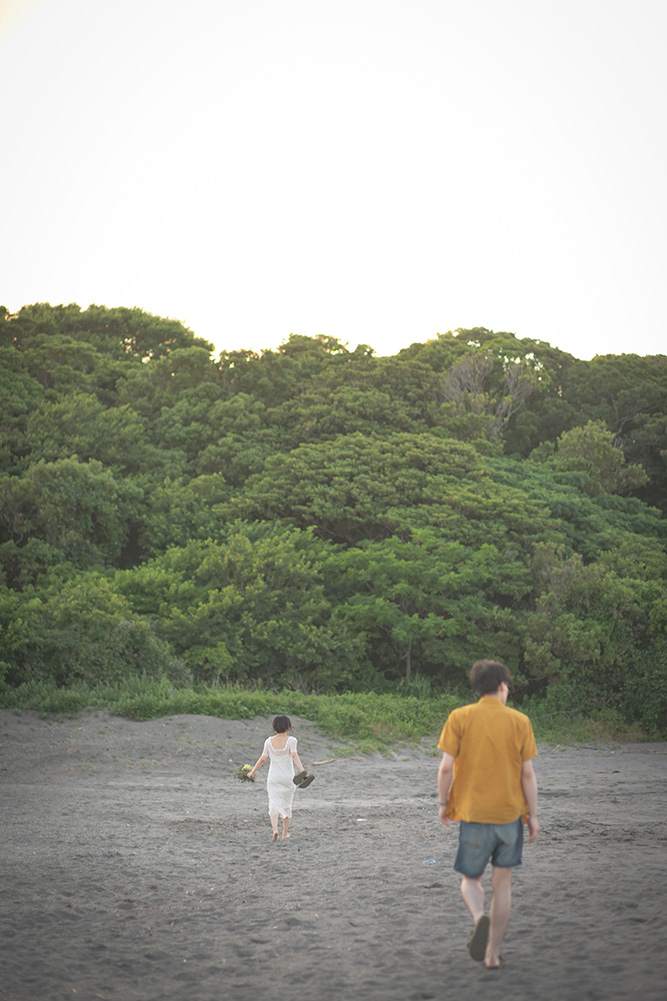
(472, 892)
(473, 897)
(501, 906)
(476, 843)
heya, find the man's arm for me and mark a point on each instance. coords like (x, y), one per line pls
(445, 775)
(529, 786)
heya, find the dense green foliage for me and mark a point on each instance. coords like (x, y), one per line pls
(324, 521)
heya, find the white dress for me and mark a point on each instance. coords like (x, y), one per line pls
(279, 783)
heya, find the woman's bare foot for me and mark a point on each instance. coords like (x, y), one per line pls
(286, 835)
(275, 836)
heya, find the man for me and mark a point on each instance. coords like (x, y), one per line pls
(487, 782)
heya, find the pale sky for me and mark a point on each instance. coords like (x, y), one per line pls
(374, 170)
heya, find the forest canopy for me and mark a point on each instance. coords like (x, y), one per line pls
(324, 518)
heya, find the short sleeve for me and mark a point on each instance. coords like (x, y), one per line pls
(291, 743)
(267, 747)
(529, 749)
(450, 738)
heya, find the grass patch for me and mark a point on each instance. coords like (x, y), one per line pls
(366, 721)
(599, 727)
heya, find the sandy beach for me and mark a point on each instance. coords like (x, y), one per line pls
(136, 867)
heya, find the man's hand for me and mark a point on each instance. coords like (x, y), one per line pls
(443, 818)
(445, 776)
(529, 785)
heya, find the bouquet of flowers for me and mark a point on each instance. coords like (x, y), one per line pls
(242, 773)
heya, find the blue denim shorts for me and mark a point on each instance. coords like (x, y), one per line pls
(501, 844)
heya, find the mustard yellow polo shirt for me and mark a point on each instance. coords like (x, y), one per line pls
(490, 742)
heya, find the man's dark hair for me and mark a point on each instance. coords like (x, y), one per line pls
(487, 675)
(281, 724)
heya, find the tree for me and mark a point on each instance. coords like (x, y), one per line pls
(322, 413)
(628, 393)
(160, 383)
(250, 608)
(78, 425)
(592, 450)
(276, 376)
(347, 488)
(120, 333)
(79, 628)
(425, 605)
(591, 628)
(393, 589)
(495, 379)
(20, 395)
(183, 510)
(619, 389)
(214, 434)
(77, 508)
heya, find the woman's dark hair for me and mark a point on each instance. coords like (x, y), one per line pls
(281, 724)
(487, 676)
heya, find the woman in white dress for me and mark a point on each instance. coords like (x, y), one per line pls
(282, 754)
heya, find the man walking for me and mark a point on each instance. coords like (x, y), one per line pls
(487, 782)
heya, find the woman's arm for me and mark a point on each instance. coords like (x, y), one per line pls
(297, 760)
(258, 764)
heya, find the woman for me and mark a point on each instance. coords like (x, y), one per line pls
(281, 752)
